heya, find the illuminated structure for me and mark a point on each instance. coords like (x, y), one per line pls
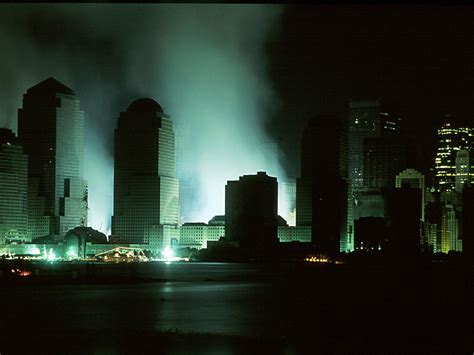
(464, 169)
(287, 234)
(452, 136)
(146, 192)
(322, 190)
(13, 189)
(196, 235)
(251, 206)
(287, 200)
(51, 129)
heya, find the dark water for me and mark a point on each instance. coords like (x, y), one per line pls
(221, 308)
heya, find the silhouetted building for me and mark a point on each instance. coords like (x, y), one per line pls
(251, 205)
(146, 192)
(370, 234)
(322, 190)
(415, 180)
(51, 129)
(453, 135)
(13, 189)
(404, 221)
(385, 157)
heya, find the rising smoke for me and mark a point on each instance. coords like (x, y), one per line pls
(205, 64)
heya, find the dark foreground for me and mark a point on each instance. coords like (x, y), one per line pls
(234, 308)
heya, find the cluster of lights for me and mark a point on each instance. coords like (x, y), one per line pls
(22, 273)
(316, 259)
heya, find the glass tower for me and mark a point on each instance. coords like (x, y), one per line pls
(13, 189)
(51, 128)
(451, 138)
(146, 192)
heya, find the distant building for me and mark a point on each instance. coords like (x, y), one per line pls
(322, 190)
(251, 206)
(288, 234)
(13, 189)
(198, 234)
(385, 157)
(453, 136)
(464, 171)
(366, 120)
(51, 129)
(146, 192)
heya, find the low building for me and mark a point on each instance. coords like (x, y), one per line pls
(287, 234)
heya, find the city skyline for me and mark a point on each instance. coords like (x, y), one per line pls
(288, 64)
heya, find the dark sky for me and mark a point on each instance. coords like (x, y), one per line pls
(417, 58)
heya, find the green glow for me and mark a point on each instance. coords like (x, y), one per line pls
(71, 253)
(51, 255)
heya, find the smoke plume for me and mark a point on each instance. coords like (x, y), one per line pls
(205, 65)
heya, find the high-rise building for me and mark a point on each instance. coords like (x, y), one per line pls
(13, 189)
(385, 157)
(251, 211)
(322, 190)
(51, 129)
(453, 136)
(146, 192)
(464, 171)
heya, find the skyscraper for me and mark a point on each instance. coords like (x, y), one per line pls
(453, 135)
(51, 129)
(251, 210)
(146, 192)
(13, 189)
(322, 190)
(464, 171)
(364, 122)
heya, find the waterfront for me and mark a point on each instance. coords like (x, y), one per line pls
(219, 307)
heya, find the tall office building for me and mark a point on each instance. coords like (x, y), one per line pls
(453, 136)
(384, 158)
(322, 190)
(366, 120)
(464, 169)
(251, 210)
(13, 189)
(146, 192)
(51, 129)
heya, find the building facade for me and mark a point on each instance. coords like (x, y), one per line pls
(322, 194)
(453, 136)
(51, 129)
(13, 189)
(146, 192)
(251, 211)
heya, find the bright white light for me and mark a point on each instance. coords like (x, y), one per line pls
(34, 251)
(51, 255)
(168, 252)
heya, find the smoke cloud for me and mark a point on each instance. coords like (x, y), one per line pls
(205, 64)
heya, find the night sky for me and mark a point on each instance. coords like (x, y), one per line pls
(232, 76)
